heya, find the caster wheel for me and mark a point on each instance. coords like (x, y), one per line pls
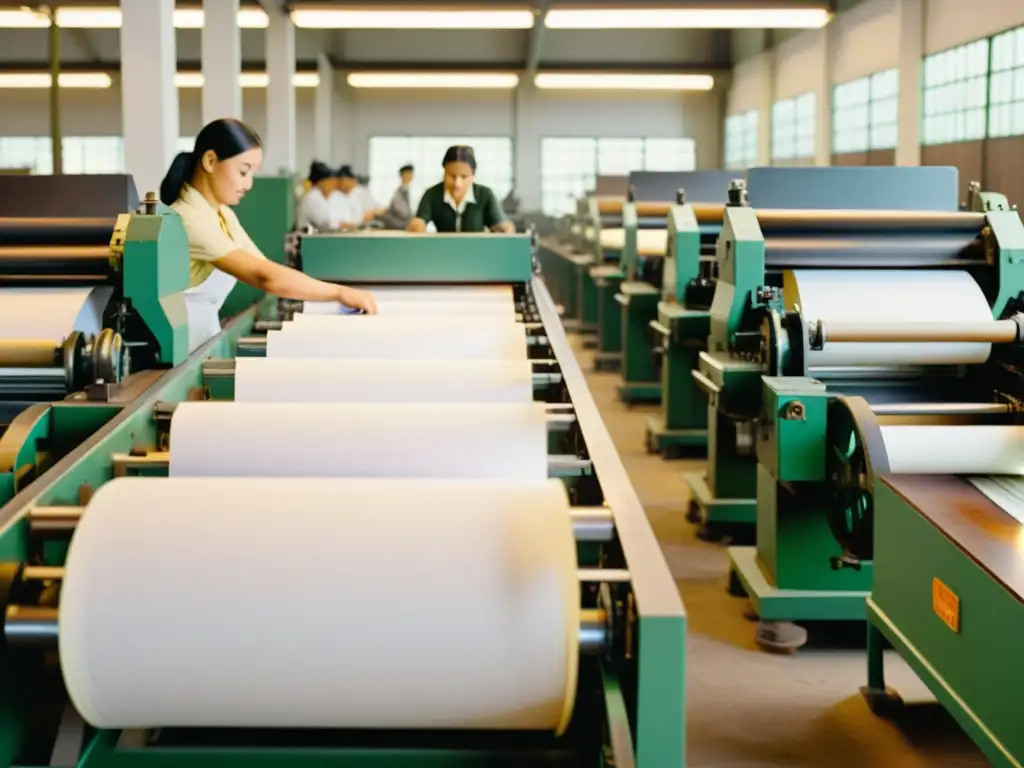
(693, 514)
(780, 636)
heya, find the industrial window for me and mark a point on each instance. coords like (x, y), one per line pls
(865, 113)
(955, 94)
(1006, 85)
(570, 166)
(26, 153)
(93, 154)
(741, 140)
(389, 153)
(793, 127)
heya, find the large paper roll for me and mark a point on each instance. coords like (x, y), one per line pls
(613, 239)
(267, 380)
(441, 320)
(954, 450)
(460, 308)
(414, 342)
(228, 439)
(404, 293)
(258, 603)
(52, 313)
(651, 242)
(893, 297)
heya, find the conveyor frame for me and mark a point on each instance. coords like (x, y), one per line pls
(640, 695)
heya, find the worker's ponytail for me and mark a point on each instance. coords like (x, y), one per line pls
(178, 175)
(226, 138)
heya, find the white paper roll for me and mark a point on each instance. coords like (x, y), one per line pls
(302, 321)
(228, 439)
(266, 380)
(613, 239)
(52, 313)
(889, 296)
(651, 242)
(446, 294)
(954, 450)
(459, 308)
(414, 342)
(210, 602)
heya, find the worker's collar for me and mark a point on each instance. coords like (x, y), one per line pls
(460, 207)
(193, 196)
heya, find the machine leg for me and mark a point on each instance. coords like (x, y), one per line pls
(735, 588)
(882, 701)
(780, 636)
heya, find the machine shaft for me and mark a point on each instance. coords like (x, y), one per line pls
(30, 353)
(995, 332)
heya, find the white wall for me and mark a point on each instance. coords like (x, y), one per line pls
(871, 37)
(527, 115)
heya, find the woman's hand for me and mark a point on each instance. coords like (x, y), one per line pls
(353, 298)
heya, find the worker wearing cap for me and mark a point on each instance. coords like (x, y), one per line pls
(458, 203)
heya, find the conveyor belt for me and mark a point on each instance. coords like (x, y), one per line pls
(55, 231)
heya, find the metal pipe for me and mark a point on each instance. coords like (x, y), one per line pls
(865, 221)
(593, 630)
(994, 332)
(55, 135)
(35, 627)
(31, 626)
(29, 353)
(588, 524)
(939, 409)
(54, 520)
(42, 573)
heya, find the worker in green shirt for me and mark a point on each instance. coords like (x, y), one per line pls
(458, 204)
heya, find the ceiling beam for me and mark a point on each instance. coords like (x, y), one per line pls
(536, 39)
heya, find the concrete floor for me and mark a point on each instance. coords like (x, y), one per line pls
(746, 708)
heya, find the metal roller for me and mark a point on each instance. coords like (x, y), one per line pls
(43, 353)
(942, 249)
(49, 260)
(995, 332)
(56, 231)
(824, 221)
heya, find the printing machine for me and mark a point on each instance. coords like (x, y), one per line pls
(816, 451)
(629, 707)
(54, 392)
(651, 363)
(788, 218)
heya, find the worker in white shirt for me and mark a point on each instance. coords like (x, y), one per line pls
(370, 207)
(400, 211)
(344, 200)
(201, 186)
(314, 210)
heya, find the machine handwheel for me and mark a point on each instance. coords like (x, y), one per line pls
(856, 456)
(109, 357)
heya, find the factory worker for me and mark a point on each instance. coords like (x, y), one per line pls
(313, 208)
(458, 203)
(344, 201)
(201, 185)
(370, 208)
(399, 212)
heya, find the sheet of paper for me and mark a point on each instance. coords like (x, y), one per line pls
(52, 313)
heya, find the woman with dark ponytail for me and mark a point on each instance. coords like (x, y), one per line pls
(458, 203)
(201, 186)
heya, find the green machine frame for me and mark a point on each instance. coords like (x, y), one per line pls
(682, 321)
(149, 252)
(811, 449)
(414, 258)
(630, 706)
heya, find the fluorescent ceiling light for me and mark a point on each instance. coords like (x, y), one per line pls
(110, 18)
(693, 18)
(66, 80)
(608, 82)
(248, 79)
(395, 19)
(433, 80)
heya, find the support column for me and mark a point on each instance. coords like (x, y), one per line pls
(280, 142)
(222, 60)
(823, 99)
(767, 101)
(911, 55)
(149, 98)
(324, 110)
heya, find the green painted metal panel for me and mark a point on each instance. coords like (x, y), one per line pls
(682, 257)
(267, 212)
(639, 307)
(418, 258)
